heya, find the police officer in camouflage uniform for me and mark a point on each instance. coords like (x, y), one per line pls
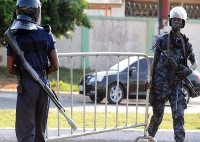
(177, 46)
(40, 52)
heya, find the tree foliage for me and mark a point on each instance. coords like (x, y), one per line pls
(7, 12)
(62, 15)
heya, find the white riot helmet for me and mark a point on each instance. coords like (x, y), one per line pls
(178, 12)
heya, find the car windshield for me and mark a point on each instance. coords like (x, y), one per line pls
(124, 63)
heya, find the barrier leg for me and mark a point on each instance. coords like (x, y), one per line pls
(145, 138)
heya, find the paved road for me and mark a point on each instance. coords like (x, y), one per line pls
(8, 101)
(115, 136)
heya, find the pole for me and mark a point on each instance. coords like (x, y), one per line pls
(163, 12)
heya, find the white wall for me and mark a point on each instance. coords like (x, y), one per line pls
(112, 35)
(192, 31)
(68, 46)
(116, 36)
(3, 57)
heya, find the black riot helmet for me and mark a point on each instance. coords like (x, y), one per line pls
(30, 8)
(28, 15)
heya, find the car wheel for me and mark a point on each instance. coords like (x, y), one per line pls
(112, 94)
(187, 93)
(99, 99)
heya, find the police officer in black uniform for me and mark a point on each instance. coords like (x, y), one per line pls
(39, 49)
(164, 86)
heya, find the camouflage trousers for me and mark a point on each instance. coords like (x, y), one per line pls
(178, 104)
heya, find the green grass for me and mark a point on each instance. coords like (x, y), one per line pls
(7, 120)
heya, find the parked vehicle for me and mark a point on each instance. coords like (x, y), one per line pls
(122, 92)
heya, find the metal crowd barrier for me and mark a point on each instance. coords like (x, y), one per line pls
(128, 123)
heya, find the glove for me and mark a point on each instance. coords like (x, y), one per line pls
(183, 72)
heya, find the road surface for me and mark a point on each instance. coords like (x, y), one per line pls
(8, 101)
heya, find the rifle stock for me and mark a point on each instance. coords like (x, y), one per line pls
(13, 43)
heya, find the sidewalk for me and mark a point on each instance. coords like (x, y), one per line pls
(8, 135)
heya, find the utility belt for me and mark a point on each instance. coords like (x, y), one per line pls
(25, 74)
(42, 73)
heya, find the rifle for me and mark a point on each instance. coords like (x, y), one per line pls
(13, 43)
(177, 67)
